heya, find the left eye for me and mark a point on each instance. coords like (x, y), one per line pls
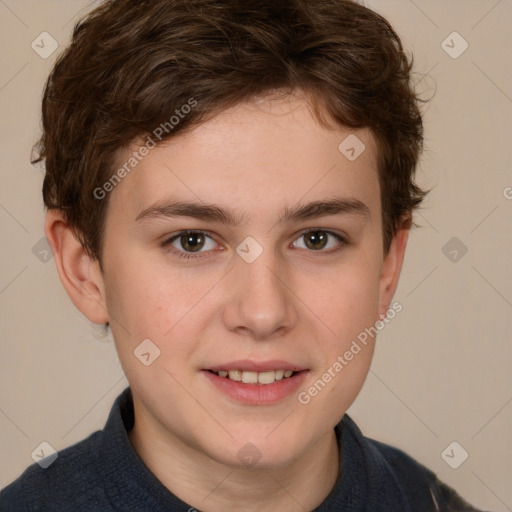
(318, 240)
(192, 241)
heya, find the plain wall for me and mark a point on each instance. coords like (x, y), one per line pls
(442, 369)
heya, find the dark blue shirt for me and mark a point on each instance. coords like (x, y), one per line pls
(103, 473)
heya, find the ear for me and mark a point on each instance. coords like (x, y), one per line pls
(79, 273)
(392, 266)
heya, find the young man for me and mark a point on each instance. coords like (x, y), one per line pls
(230, 188)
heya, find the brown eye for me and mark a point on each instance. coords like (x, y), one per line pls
(192, 242)
(319, 239)
(189, 242)
(315, 240)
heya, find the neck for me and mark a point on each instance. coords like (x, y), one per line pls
(211, 486)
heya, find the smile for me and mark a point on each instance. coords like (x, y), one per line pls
(249, 377)
(256, 383)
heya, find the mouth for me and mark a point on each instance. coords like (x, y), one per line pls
(249, 377)
(254, 383)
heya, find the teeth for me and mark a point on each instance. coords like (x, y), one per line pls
(235, 375)
(268, 377)
(250, 377)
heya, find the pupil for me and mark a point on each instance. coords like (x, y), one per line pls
(316, 240)
(192, 241)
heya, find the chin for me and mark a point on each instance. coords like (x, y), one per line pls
(260, 451)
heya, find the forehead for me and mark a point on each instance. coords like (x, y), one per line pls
(257, 157)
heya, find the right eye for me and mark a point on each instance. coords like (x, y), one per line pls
(186, 243)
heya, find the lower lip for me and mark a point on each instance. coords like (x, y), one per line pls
(257, 394)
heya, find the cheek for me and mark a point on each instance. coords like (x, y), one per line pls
(345, 356)
(168, 308)
(346, 308)
(346, 299)
(150, 297)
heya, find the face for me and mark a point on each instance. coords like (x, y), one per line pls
(250, 245)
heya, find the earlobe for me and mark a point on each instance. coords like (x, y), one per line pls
(79, 273)
(392, 267)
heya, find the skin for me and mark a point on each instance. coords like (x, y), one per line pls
(293, 303)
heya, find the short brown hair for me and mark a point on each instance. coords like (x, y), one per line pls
(133, 64)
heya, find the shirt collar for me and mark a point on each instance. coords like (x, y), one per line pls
(365, 482)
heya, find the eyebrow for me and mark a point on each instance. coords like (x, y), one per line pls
(209, 212)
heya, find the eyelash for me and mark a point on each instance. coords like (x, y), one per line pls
(187, 255)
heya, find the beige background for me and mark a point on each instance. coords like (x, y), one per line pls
(442, 368)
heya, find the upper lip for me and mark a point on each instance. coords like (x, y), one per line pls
(256, 366)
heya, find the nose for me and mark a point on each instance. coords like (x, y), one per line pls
(260, 302)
